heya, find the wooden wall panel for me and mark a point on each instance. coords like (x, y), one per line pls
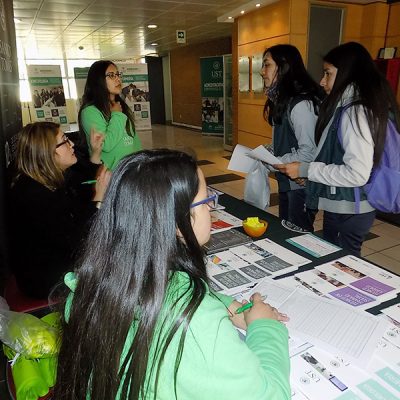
(185, 78)
(267, 22)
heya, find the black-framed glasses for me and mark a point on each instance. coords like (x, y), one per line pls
(211, 200)
(114, 75)
(64, 141)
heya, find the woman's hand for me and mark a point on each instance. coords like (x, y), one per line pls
(115, 106)
(290, 169)
(237, 319)
(96, 145)
(262, 310)
(103, 179)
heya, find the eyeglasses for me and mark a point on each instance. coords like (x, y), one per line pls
(64, 141)
(114, 75)
(211, 200)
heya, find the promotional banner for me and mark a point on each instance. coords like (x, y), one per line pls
(135, 92)
(212, 93)
(80, 75)
(10, 106)
(48, 99)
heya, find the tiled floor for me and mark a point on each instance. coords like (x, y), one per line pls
(382, 248)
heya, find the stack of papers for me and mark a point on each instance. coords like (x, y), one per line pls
(222, 221)
(236, 269)
(352, 281)
(332, 326)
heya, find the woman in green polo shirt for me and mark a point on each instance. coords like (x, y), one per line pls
(104, 111)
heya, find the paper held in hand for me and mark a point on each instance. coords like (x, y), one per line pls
(243, 158)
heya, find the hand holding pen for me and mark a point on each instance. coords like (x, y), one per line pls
(257, 309)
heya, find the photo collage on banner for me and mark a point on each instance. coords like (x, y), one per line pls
(212, 93)
(48, 99)
(135, 92)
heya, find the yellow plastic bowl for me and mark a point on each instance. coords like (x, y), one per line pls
(255, 231)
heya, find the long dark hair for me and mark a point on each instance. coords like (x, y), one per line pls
(372, 92)
(292, 80)
(131, 251)
(96, 94)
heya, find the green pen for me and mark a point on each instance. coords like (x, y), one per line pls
(247, 306)
(89, 182)
(244, 308)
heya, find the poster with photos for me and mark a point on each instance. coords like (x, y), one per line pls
(48, 99)
(80, 75)
(135, 92)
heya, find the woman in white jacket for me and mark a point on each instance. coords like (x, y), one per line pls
(350, 136)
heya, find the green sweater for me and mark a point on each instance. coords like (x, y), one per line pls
(117, 142)
(216, 363)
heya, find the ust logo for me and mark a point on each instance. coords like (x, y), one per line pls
(217, 70)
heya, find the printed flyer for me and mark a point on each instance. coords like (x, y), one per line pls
(48, 99)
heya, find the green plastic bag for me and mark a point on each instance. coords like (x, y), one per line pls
(33, 378)
(28, 335)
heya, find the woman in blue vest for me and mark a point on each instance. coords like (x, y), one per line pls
(350, 134)
(291, 109)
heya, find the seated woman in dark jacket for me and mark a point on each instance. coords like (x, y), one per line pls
(49, 206)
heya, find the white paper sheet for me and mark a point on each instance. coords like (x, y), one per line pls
(243, 158)
(332, 326)
(240, 159)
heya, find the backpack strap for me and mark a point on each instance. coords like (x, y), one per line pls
(357, 192)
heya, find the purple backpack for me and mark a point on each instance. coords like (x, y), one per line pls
(383, 186)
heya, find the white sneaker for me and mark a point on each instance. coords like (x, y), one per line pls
(292, 227)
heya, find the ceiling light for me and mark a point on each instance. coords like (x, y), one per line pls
(152, 26)
(154, 44)
(258, 5)
(229, 17)
(242, 12)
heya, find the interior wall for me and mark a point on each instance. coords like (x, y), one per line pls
(393, 34)
(167, 88)
(185, 78)
(375, 25)
(257, 31)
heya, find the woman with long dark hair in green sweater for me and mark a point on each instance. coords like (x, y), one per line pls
(141, 321)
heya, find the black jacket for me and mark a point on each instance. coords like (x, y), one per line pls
(46, 228)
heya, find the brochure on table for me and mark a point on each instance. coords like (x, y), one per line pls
(236, 269)
(313, 245)
(352, 281)
(222, 221)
